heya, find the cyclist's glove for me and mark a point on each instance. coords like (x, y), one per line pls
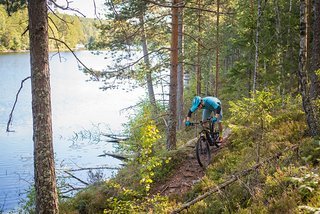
(188, 123)
(214, 119)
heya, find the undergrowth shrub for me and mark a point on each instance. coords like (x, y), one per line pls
(310, 151)
(90, 200)
(144, 144)
(147, 165)
(125, 200)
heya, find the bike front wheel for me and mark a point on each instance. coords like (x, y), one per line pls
(203, 152)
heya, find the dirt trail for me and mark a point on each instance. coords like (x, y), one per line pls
(189, 172)
(183, 178)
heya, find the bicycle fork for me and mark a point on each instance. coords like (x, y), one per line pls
(213, 140)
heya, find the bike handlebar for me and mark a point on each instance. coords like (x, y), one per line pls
(201, 122)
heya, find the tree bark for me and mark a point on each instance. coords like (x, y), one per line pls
(315, 66)
(281, 58)
(44, 168)
(256, 60)
(289, 49)
(217, 50)
(180, 87)
(171, 133)
(303, 68)
(198, 67)
(146, 59)
(315, 60)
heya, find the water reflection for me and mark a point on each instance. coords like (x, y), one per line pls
(77, 105)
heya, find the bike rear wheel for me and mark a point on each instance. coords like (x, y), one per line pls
(203, 152)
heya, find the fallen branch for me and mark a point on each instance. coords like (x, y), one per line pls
(115, 138)
(117, 156)
(91, 168)
(233, 178)
(71, 189)
(309, 209)
(78, 179)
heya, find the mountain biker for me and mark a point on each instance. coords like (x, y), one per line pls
(209, 105)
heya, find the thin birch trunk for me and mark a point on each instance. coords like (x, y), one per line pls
(198, 68)
(217, 49)
(256, 61)
(303, 66)
(147, 62)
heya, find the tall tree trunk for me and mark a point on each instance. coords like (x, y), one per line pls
(217, 49)
(303, 67)
(252, 7)
(249, 72)
(146, 59)
(211, 80)
(315, 60)
(256, 60)
(289, 48)
(279, 47)
(44, 168)
(315, 66)
(172, 132)
(180, 86)
(198, 67)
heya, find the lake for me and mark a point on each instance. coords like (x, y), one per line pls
(80, 112)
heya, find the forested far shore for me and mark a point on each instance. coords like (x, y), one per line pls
(73, 31)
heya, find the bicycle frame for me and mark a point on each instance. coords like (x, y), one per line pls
(209, 133)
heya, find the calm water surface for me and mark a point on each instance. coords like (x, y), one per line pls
(79, 108)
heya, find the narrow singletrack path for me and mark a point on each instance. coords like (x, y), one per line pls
(187, 174)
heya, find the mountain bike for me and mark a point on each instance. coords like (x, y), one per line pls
(208, 136)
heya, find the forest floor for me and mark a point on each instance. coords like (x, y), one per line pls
(188, 173)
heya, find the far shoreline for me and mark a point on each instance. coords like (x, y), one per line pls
(56, 50)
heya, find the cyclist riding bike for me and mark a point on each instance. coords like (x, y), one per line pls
(209, 105)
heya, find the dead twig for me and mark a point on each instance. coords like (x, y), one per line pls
(14, 105)
(117, 156)
(67, 7)
(95, 11)
(91, 168)
(78, 179)
(92, 72)
(71, 189)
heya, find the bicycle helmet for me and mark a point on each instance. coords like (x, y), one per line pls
(195, 103)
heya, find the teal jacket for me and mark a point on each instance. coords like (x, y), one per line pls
(210, 103)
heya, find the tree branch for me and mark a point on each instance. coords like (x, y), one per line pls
(61, 19)
(66, 7)
(95, 11)
(78, 179)
(72, 188)
(25, 31)
(91, 168)
(14, 105)
(92, 72)
(117, 156)
(135, 62)
(183, 5)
